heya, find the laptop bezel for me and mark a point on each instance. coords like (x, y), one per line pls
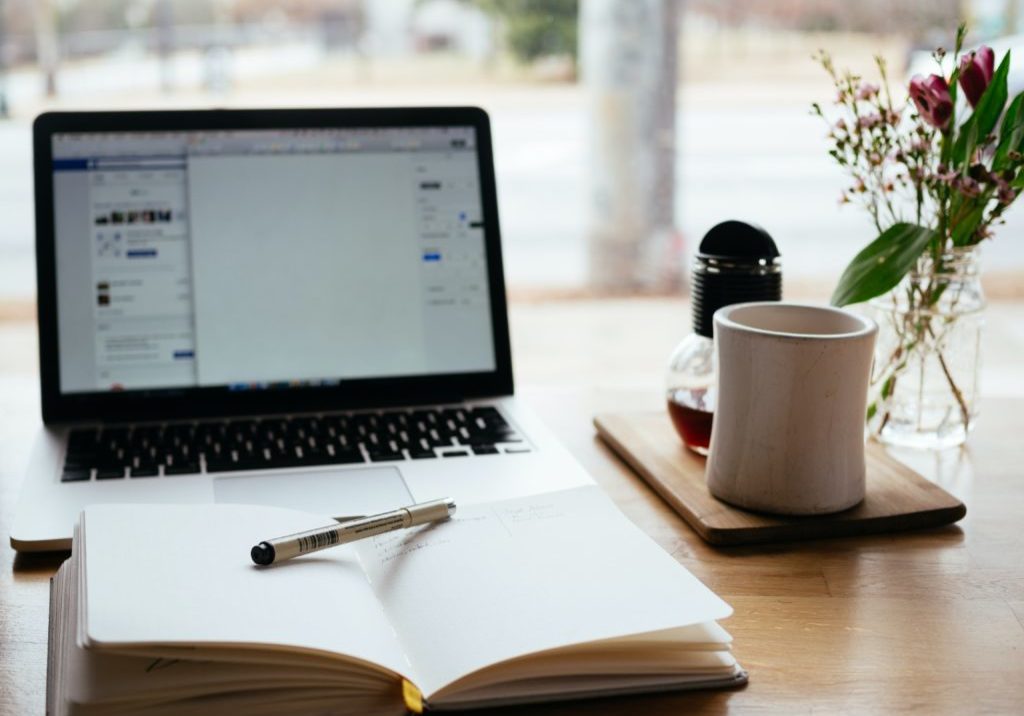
(138, 405)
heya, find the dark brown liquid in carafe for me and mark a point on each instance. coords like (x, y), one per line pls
(692, 424)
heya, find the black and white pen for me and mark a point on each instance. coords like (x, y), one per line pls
(282, 548)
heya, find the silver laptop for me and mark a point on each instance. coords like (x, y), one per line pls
(301, 308)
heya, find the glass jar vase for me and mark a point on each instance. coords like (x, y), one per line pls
(924, 384)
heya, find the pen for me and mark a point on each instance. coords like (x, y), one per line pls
(282, 548)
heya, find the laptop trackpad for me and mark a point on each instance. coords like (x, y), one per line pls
(355, 491)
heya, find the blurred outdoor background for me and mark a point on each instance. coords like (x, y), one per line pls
(623, 129)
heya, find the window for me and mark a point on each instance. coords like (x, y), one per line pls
(623, 129)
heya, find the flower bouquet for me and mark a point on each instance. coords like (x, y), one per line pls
(936, 177)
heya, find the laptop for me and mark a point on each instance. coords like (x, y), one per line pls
(302, 308)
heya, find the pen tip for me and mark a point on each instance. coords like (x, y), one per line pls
(262, 554)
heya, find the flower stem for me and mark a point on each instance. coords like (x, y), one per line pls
(964, 410)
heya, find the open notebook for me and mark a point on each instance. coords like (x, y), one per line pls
(557, 596)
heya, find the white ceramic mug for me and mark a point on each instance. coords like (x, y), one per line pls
(788, 432)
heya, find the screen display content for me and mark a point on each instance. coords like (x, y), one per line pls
(268, 258)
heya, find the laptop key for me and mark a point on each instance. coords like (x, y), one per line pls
(455, 453)
(109, 462)
(315, 456)
(382, 456)
(109, 473)
(421, 454)
(147, 471)
(279, 460)
(72, 462)
(485, 450)
(342, 456)
(76, 475)
(182, 468)
(221, 465)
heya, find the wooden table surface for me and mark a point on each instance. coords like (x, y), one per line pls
(930, 621)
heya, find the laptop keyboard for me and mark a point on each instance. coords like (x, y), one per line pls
(152, 450)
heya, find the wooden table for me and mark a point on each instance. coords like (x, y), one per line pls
(931, 622)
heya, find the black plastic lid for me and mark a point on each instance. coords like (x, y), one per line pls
(737, 262)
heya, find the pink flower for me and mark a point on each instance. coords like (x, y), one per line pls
(869, 120)
(968, 187)
(931, 97)
(976, 72)
(866, 90)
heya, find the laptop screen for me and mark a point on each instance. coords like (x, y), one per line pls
(257, 259)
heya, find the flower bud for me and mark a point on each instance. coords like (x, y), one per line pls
(976, 69)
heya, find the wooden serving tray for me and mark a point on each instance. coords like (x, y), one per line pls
(897, 497)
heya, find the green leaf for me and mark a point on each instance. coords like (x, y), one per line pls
(985, 115)
(888, 385)
(964, 228)
(881, 264)
(1011, 132)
